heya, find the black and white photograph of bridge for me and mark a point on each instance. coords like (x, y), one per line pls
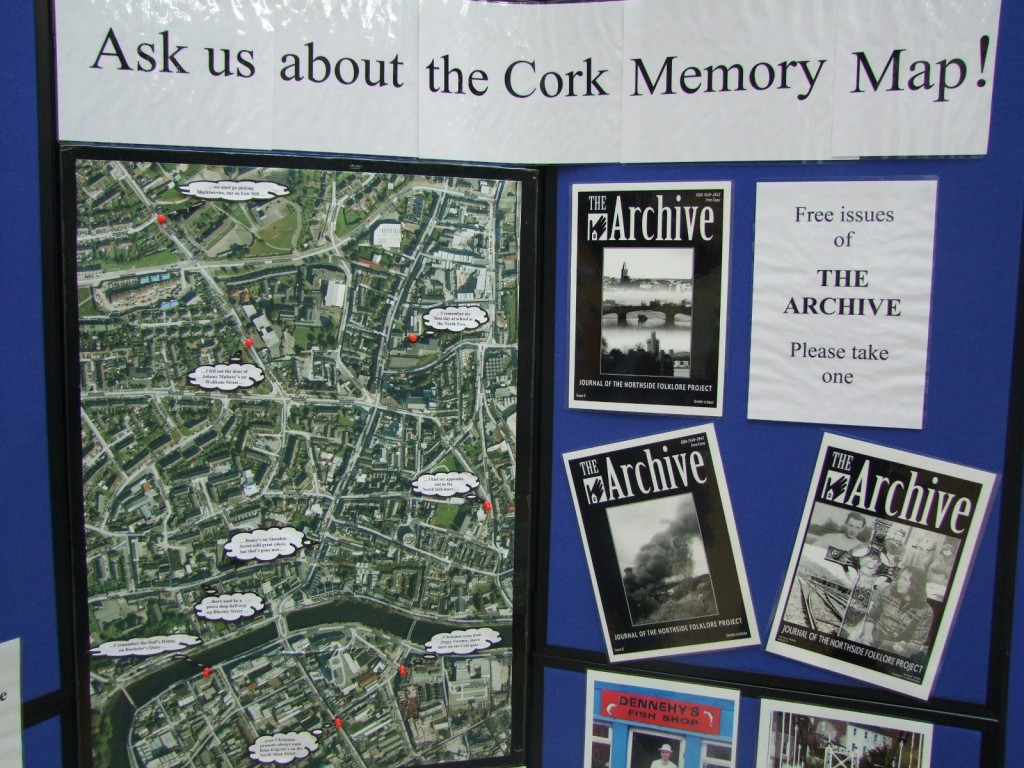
(647, 311)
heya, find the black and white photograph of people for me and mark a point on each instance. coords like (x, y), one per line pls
(899, 618)
(870, 580)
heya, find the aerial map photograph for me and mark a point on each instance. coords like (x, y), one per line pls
(298, 397)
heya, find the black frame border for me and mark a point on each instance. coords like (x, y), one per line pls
(71, 702)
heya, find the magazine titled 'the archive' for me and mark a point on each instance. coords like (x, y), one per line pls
(661, 544)
(650, 265)
(880, 562)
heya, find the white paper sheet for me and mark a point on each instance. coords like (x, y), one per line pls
(10, 703)
(842, 298)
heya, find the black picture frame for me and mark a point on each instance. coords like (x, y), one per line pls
(505, 510)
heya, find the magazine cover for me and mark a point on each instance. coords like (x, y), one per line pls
(792, 735)
(648, 297)
(882, 555)
(661, 544)
(641, 722)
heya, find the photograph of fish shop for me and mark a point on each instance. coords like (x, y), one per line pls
(635, 722)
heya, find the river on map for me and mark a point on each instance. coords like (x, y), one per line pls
(340, 611)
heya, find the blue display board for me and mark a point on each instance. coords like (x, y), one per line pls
(27, 569)
(971, 412)
(972, 417)
(27, 579)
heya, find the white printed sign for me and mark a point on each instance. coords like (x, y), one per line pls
(629, 81)
(756, 85)
(345, 77)
(445, 484)
(265, 544)
(456, 318)
(283, 748)
(463, 641)
(226, 378)
(842, 296)
(10, 702)
(145, 646)
(914, 78)
(535, 83)
(165, 73)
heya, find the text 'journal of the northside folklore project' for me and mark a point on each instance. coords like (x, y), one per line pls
(298, 392)
(660, 540)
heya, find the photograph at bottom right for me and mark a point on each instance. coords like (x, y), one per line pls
(792, 735)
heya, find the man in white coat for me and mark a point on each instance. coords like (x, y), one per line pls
(665, 761)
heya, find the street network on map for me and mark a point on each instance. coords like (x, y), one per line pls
(298, 409)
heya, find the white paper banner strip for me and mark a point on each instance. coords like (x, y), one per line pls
(629, 81)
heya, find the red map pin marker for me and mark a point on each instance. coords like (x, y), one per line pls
(207, 671)
(413, 338)
(161, 218)
(401, 670)
(337, 722)
(487, 506)
(248, 343)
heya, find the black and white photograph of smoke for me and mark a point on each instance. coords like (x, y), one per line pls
(662, 560)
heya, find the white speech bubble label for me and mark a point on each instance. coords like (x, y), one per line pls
(463, 641)
(239, 191)
(283, 748)
(145, 646)
(465, 318)
(241, 605)
(445, 484)
(226, 377)
(265, 544)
